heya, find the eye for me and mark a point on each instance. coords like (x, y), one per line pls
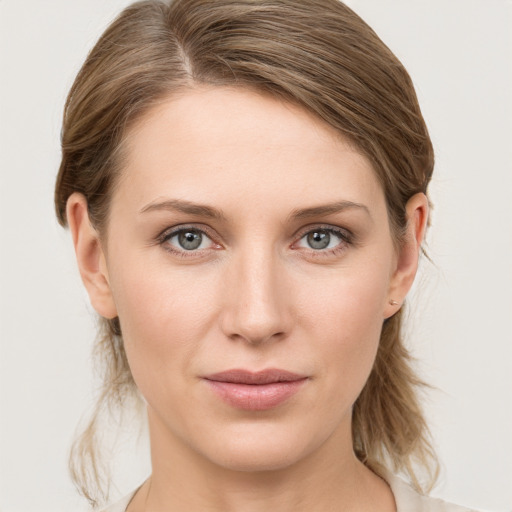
(188, 239)
(321, 239)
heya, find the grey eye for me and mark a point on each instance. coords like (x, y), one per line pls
(319, 239)
(190, 239)
(323, 239)
(187, 240)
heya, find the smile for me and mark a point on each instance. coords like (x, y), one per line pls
(255, 391)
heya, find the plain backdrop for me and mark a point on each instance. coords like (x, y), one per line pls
(459, 54)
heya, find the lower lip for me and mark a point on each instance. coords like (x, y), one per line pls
(256, 397)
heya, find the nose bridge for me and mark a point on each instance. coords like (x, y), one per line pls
(256, 310)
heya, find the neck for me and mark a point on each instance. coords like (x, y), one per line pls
(330, 478)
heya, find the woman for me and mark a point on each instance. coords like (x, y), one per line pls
(245, 183)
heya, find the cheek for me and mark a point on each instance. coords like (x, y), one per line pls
(163, 315)
(344, 317)
(348, 302)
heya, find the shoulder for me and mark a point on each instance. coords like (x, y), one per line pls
(408, 500)
(121, 505)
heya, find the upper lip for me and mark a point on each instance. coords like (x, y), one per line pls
(239, 376)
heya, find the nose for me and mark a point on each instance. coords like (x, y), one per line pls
(257, 300)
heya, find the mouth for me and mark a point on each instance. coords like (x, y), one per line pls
(255, 391)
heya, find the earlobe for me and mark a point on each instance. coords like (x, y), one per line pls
(408, 253)
(90, 256)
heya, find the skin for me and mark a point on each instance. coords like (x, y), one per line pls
(255, 295)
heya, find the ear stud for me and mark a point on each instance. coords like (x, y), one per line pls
(394, 302)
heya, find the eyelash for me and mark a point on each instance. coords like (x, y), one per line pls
(164, 238)
(345, 236)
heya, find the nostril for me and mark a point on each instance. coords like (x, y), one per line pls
(254, 338)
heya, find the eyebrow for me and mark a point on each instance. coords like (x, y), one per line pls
(328, 209)
(202, 210)
(183, 206)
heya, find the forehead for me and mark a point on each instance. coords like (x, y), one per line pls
(212, 144)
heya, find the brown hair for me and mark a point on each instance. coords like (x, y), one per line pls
(319, 55)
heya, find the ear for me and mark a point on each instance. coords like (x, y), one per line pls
(408, 253)
(90, 256)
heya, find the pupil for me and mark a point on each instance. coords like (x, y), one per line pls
(190, 240)
(319, 239)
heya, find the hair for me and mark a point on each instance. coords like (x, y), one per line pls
(318, 55)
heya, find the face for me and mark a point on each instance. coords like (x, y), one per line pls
(247, 245)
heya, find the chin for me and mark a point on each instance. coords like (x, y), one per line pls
(259, 451)
(257, 460)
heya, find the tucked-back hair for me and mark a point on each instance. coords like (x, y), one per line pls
(316, 54)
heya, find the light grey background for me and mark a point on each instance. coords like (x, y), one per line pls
(459, 53)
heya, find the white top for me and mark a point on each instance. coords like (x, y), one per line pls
(406, 498)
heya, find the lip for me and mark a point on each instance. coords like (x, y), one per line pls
(255, 391)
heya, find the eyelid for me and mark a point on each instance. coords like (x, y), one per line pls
(346, 236)
(344, 233)
(170, 232)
